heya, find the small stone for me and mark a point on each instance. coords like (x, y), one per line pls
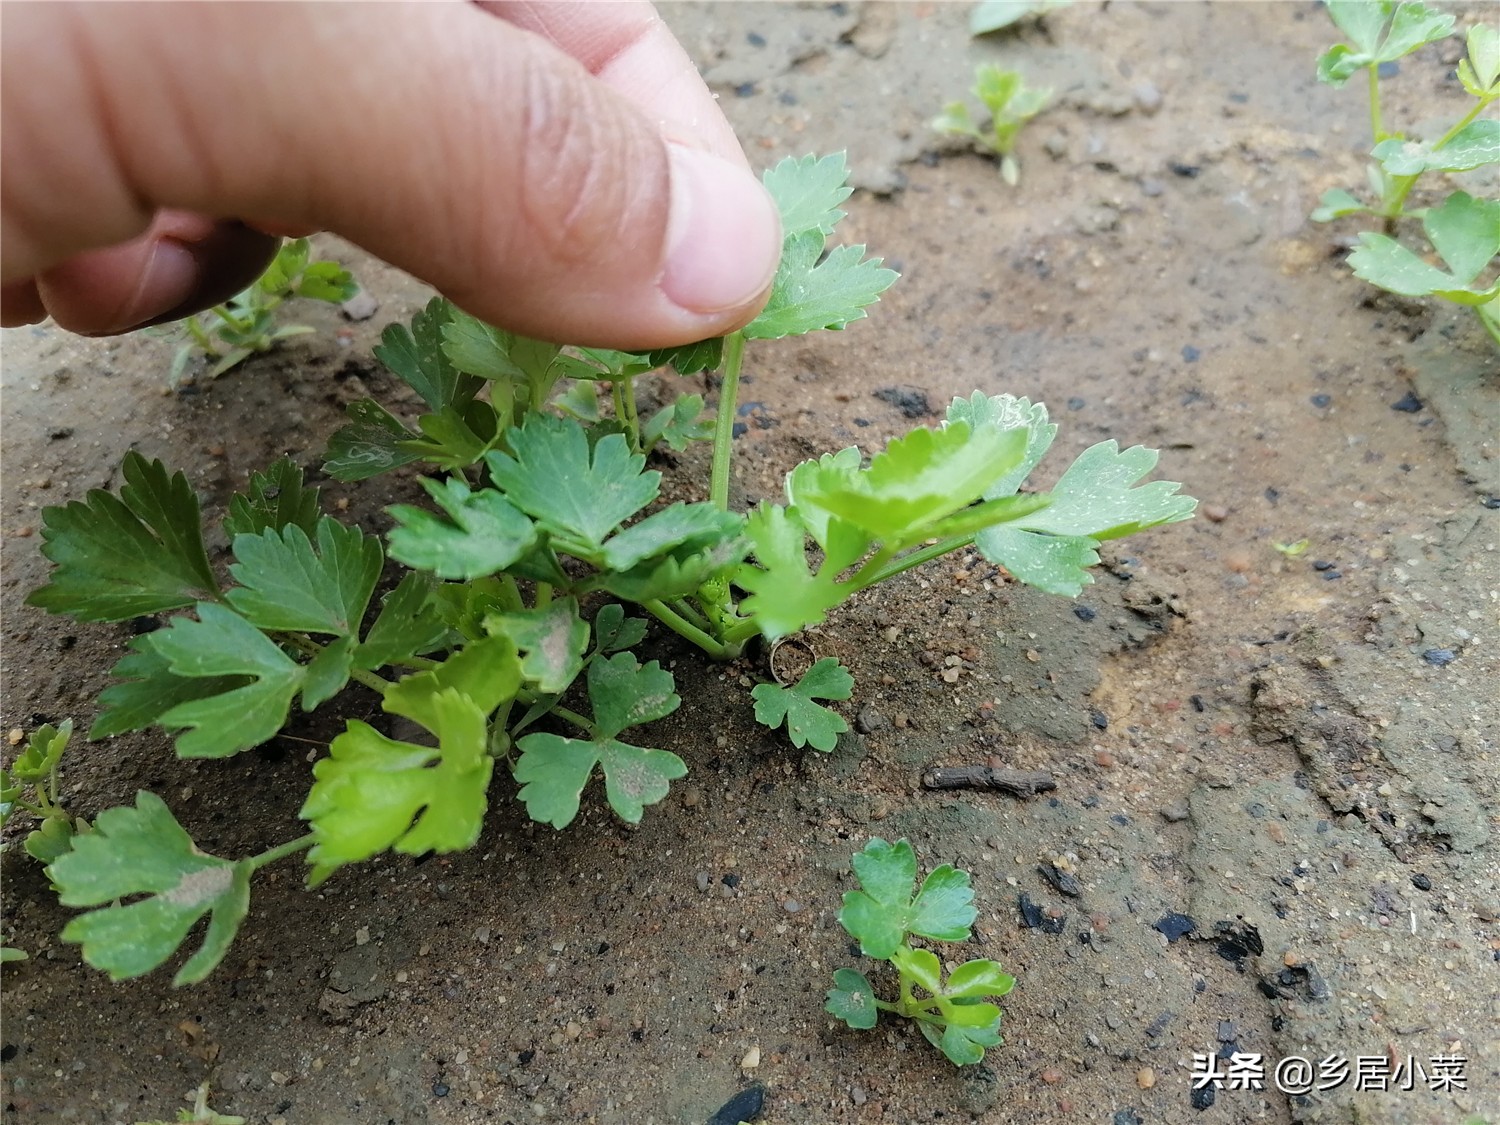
(1487, 912)
(361, 306)
(1421, 882)
(1147, 97)
(1176, 811)
(15, 736)
(1173, 925)
(1051, 1075)
(1440, 657)
(744, 1106)
(692, 797)
(362, 936)
(1145, 1078)
(1407, 404)
(751, 1059)
(902, 720)
(950, 675)
(482, 935)
(1104, 759)
(791, 906)
(871, 719)
(1217, 513)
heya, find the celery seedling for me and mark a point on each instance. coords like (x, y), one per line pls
(883, 916)
(1011, 103)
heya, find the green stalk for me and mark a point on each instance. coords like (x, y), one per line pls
(1377, 127)
(543, 595)
(681, 606)
(882, 570)
(632, 416)
(686, 629)
(1490, 320)
(729, 389)
(281, 851)
(511, 594)
(1410, 182)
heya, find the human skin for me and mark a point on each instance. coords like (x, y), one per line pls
(558, 169)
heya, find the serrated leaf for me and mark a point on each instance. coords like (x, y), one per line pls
(682, 570)
(1480, 71)
(917, 480)
(120, 557)
(883, 911)
(53, 839)
(1098, 497)
(222, 643)
(581, 401)
(480, 349)
(921, 967)
(1381, 31)
(614, 632)
(1385, 262)
(325, 675)
(455, 439)
(1465, 232)
(287, 586)
(886, 871)
(785, 595)
(625, 693)
(552, 641)
(483, 533)
(943, 909)
(374, 792)
(679, 424)
(369, 445)
(808, 191)
(852, 1000)
(809, 294)
(963, 1046)
(150, 689)
(994, 15)
(408, 625)
(275, 499)
(807, 722)
(689, 359)
(1006, 413)
(606, 364)
(327, 281)
(578, 494)
(142, 850)
(486, 672)
(44, 749)
(417, 358)
(554, 771)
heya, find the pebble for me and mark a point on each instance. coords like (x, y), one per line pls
(692, 797)
(871, 719)
(751, 1059)
(1174, 925)
(1421, 882)
(744, 1106)
(1176, 811)
(1147, 97)
(1051, 1075)
(1145, 1078)
(361, 306)
(1217, 513)
(1407, 404)
(1440, 657)
(791, 906)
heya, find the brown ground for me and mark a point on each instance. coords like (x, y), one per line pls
(1250, 740)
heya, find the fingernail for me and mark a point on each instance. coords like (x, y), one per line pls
(167, 283)
(723, 236)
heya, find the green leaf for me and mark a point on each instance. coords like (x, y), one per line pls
(9, 953)
(117, 558)
(883, 912)
(417, 358)
(486, 672)
(809, 294)
(375, 792)
(409, 624)
(679, 424)
(808, 191)
(290, 260)
(995, 15)
(689, 359)
(1381, 31)
(614, 632)
(1095, 497)
(694, 525)
(369, 445)
(222, 643)
(963, 1046)
(144, 851)
(918, 480)
(276, 499)
(606, 364)
(625, 693)
(1473, 146)
(1336, 203)
(1007, 413)
(807, 722)
(492, 353)
(1466, 233)
(977, 979)
(581, 401)
(785, 595)
(325, 675)
(921, 967)
(1480, 72)
(484, 532)
(150, 689)
(552, 641)
(852, 1000)
(578, 494)
(44, 749)
(327, 281)
(682, 570)
(455, 439)
(51, 841)
(286, 586)
(1055, 564)
(554, 770)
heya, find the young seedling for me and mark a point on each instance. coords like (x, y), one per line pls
(883, 916)
(506, 636)
(30, 785)
(1011, 104)
(201, 1114)
(246, 324)
(995, 15)
(1463, 231)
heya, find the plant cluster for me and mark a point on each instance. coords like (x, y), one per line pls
(1463, 231)
(1011, 104)
(504, 634)
(247, 324)
(883, 916)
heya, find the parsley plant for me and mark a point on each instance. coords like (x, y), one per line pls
(506, 636)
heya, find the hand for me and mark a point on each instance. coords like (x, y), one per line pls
(558, 169)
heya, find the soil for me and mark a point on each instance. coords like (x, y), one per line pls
(1291, 759)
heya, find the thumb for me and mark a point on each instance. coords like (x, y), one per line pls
(458, 147)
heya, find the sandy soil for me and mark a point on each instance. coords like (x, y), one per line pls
(1278, 749)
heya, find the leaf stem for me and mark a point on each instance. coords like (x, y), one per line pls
(632, 417)
(681, 605)
(889, 569)
(729, 389)
(281, 851)
(686, 629)
(1377, 127)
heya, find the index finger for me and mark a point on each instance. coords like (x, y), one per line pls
(625, 44)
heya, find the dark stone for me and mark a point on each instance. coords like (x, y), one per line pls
(731, 880)
(1099, 719)
(1064, 882)
(1031, 913)
(1421, 882)
(1407, 404)
(1190, 354)
(755, 39)
(744, 1106)
(745, 90)
(1202, 1098)
(1321, 400)
(1085, 613)
(1127, 1116)
(1440, 657)
(62, 434)
(440, 1089)
(1388, 69)
(911, 401)
(8, 1052)
(1186, 171)
(1076, 403)
(1174, 925)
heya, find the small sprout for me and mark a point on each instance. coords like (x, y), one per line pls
(1293, 550)
(1011, 104)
